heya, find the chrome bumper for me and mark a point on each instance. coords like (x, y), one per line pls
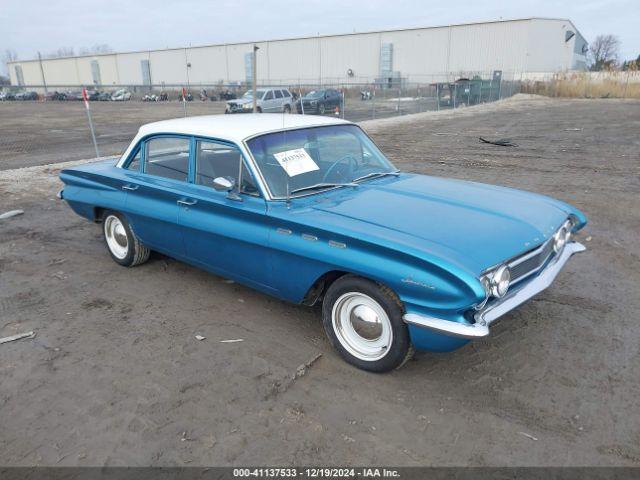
(492, 312)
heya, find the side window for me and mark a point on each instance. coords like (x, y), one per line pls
(134, 164)
(248, 185)
(214, 160)
(167, 157)
(269, 95)
(286, 93)
(278, 93)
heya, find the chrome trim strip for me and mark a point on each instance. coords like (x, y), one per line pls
(333, 243)
(453, 329)
(311, 238)
(513, 299)
(283, 231)
(537, 285)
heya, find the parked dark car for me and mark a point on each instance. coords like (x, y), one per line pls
(227, 95)
(55, 95)
(93, 95)
(320, 101)
(27, 96)
(73, 95)
(7, 96)
(104, 97)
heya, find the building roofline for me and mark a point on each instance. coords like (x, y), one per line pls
(369, 32)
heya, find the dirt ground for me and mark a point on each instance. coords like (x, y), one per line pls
(115, 375)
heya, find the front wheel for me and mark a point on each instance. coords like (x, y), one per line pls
(321, 109)
(122, 243)
(363, 320)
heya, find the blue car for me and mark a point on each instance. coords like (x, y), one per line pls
(309, 210)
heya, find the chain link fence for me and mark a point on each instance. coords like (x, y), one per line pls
(47, 125)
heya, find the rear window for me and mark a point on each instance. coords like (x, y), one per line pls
(167, 157)
(286, 93)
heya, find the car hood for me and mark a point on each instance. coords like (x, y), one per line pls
(473, 225)
(241, 101)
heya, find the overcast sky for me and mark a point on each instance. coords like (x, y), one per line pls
(30, 26)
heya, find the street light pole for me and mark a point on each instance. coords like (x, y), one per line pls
(254, 66)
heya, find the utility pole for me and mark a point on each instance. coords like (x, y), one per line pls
(44, 82)
(254, 68)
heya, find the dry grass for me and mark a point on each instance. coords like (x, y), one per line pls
(587, 85)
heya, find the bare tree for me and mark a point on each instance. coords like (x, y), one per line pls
(604, 52)
(60, 52)
(96, 49)
(9, 55)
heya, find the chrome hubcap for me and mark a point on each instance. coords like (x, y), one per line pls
(362, 326)
(116, 237)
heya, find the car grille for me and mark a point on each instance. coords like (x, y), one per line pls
(532, 261)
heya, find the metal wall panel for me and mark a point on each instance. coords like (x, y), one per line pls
(419, 55)
(208, 64)
(58, 71)
(129, 72)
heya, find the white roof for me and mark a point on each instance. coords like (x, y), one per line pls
(236, 127)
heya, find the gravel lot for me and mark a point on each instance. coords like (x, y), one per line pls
(116, 377)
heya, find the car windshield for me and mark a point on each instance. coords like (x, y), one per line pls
(316, 159)
(315, 94)
(249, 94)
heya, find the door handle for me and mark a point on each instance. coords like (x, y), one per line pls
(130, 187)
(187, 203)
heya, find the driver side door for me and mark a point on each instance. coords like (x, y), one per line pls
(225, 232)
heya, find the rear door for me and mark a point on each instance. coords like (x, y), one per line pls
(335, 99)
(155, 191)
(269, 102)
(279, 100)
(226, 232)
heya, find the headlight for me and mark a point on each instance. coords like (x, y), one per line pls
(500, 281)
(496, 283)
(561, 237)
(247, 106)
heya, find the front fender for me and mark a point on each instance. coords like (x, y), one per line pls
(301, 254)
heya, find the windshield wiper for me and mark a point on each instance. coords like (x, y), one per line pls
(324, 185)
(376, 174)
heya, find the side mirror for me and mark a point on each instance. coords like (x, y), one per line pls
(224, 184)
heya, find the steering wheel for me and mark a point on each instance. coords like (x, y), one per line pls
(334, 167)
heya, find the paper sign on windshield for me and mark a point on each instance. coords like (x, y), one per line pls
(296, 162)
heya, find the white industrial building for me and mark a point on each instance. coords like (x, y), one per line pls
(516, 47)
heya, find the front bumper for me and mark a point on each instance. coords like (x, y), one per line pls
(238, 109)
(493, 311)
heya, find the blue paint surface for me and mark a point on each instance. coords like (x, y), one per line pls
(426, 238)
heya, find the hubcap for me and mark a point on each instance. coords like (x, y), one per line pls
(362, 326)
(116, 236)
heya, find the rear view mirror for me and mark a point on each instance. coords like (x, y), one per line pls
(224, 184)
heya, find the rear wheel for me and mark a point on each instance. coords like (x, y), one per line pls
(287, 109)
(122, 243)
(364, 322)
